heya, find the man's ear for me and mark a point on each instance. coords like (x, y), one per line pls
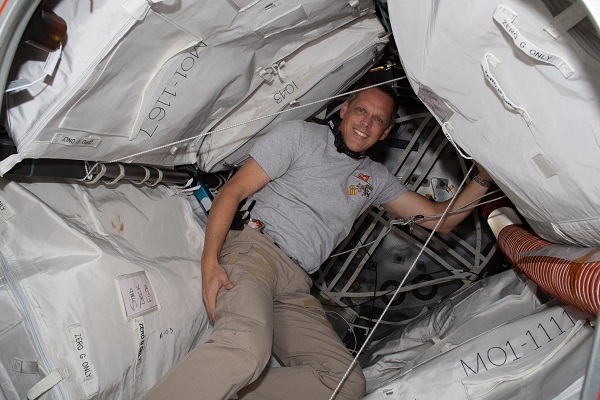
(344, 109)
(385, 133)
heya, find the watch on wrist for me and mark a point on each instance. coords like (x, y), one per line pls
(482, 181)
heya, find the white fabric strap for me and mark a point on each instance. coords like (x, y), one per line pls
(505, 17)
(446, 129)
(488, 59)
(159, 179)
(9, 162)
(567, 19)
(119, 177)
(100, 174)
(47, 383)
(147, 171)
(48, 69)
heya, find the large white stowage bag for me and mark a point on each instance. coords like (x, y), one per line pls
(314, 72)
(137, 75)
(100, 289)
(493, 340)
(515, 85)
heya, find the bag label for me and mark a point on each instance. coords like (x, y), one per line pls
(68, 140)
(86, 369)
(538, 333)
(137, 294)
(143, 340)
(176, 83)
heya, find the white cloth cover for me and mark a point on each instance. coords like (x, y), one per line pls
(478, 308)
(516, 90)
(316, 71)
(498, 348)
(133, 77)
(96, 293)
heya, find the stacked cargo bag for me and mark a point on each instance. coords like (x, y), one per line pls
(294, 87)
(137, 75)
(100, 290)
(481, 306)
(476, 346)
(515, 86)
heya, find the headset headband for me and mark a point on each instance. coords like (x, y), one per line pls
(339, 141)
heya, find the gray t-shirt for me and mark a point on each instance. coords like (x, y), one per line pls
(315, 193)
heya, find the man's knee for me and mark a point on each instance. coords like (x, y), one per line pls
(354, 385)
(251, 350)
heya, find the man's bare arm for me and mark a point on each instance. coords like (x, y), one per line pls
(412, 204)
(246, 181)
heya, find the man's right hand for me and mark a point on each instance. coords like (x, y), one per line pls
(213, 278)
(245, 182)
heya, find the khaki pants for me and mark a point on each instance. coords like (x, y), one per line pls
(270, 310)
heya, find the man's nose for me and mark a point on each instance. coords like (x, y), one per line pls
(366, 121)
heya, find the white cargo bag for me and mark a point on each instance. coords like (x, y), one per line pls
(515, 85)
(100, 290)
(316, 71)
(533, 357)
(133, 77)
(476, 308)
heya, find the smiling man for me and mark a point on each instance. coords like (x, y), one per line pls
(366, 119)
(309, 182)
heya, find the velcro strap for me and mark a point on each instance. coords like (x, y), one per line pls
(25, 367)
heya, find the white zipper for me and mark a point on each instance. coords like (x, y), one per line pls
(31, 323)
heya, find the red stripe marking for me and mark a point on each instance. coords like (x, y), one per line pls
(2, 6)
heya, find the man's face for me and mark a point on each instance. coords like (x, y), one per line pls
(366, 120)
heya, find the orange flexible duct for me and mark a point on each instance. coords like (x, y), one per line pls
(569, 273)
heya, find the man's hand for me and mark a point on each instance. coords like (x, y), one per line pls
(213, 278)
(245, 182)
(411, 203)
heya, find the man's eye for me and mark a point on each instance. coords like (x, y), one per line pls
(378, 120)
(360, 110)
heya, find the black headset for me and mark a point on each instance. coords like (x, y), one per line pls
(341, 147)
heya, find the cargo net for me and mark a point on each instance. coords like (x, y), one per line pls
(359, 280)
